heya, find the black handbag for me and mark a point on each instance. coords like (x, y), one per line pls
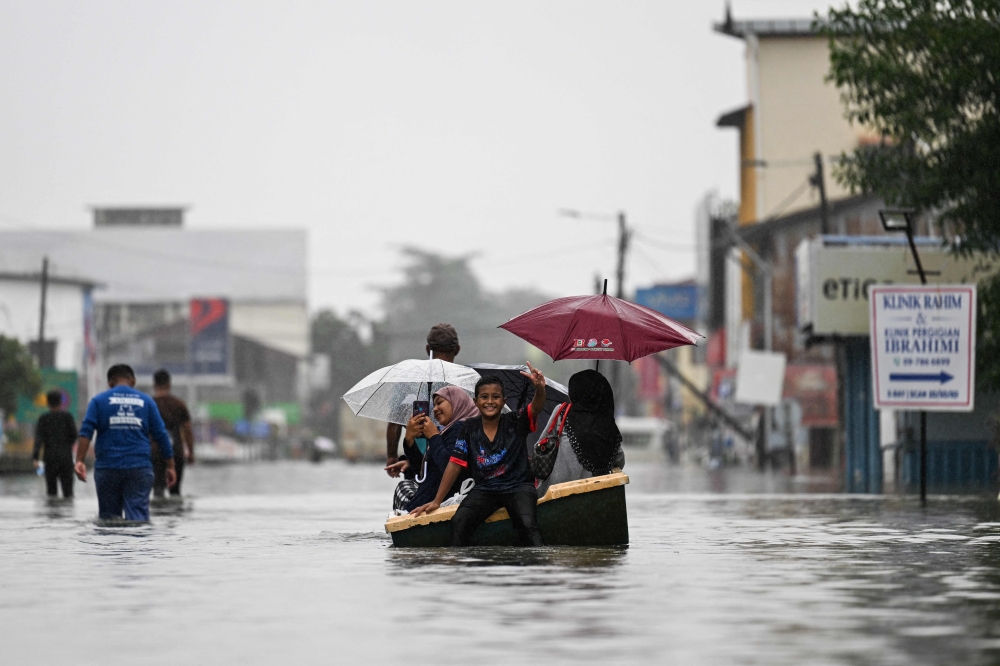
(546, 449)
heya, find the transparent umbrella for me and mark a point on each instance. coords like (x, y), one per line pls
(388, 394)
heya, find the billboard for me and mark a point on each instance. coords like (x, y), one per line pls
(833, 279)
(209, 332)
(677, 301)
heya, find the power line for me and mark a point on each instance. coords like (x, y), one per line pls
(788, 201)
(673, 247)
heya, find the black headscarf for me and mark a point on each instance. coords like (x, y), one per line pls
(592, 428)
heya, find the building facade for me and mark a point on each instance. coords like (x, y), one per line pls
(148, 268)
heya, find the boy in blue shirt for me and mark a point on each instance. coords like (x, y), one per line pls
(124, 420)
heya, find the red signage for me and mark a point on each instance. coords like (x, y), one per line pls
(815, 388)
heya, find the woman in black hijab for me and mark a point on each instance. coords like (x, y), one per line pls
(590, 444)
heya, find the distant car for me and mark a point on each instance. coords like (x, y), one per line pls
(323, 447)
(645, 437)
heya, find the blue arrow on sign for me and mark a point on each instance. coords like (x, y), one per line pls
(942, 377)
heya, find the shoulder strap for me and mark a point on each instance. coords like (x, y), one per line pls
(565, 415)
(555, 428)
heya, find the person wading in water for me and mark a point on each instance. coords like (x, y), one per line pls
(56, 435)
(125, 420)
(177, 419)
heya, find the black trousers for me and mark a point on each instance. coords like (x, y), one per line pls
(59, 472)
(160, 474)
(478, 506)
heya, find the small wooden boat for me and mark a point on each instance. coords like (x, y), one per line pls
(587, 512)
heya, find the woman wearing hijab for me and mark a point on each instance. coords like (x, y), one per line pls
(452, 405)
(590, 444)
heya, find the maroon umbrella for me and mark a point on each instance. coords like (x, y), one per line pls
(598, 328)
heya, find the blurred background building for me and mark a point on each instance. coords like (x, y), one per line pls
(225, 311)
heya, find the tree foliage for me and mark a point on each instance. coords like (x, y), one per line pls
(18, 374)
(437, 289)
(351, 358)
(924, 76)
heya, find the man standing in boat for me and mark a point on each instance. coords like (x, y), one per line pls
(442, 340)
(494, 447)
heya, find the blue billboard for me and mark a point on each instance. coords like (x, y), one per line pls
(677, 301)
(209, 336)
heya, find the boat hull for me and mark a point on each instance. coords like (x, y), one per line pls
(591, 512)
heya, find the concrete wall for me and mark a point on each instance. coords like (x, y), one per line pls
(19, 310)
(797, 113)
(283, 326)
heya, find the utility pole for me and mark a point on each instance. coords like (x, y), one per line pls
(817, 180)
(624, 235)
(766, 270)
(41, 357)
(623, 239)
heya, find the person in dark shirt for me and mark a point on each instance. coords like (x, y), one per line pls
(493, 447)
(55, 433)
(442, 341)
(177, 419)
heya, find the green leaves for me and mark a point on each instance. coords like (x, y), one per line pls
(18, 374)
(925, 76)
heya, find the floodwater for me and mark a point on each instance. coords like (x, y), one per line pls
(287, 563)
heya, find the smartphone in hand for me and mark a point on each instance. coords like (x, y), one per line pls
(421, 408)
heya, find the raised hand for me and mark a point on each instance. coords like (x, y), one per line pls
(415, 427)
(538, 402)
(535, 375)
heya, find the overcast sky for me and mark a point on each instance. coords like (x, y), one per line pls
(457, 126)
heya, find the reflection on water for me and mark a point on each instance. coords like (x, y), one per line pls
(287, 563)
(594, 559)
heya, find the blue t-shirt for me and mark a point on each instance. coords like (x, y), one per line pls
(124, 420)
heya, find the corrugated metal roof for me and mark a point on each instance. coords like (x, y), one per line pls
(156, 265)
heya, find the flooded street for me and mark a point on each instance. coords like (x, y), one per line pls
(288, 563)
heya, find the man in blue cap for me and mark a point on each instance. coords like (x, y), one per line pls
(125, 420)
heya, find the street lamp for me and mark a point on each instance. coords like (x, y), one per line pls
(624, 235)
(901, 219)
(895, 220)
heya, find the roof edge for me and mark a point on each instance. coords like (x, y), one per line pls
(779, 27)
(51, 279)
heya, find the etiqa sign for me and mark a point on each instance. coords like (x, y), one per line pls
(833, 280)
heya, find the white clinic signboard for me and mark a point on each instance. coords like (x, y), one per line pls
(924, 347)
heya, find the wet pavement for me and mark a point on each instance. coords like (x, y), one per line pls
(288, 563)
